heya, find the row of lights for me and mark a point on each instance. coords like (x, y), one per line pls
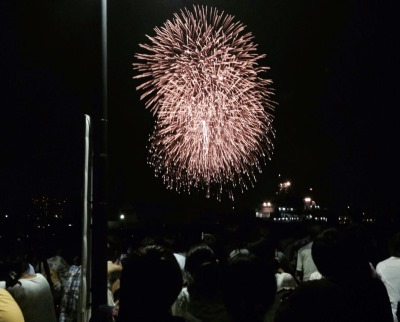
(48, 225)
(285, 209)
(287, 219)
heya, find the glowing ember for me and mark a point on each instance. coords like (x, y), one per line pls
(202, 83)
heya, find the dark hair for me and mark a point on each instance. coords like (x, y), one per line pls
(249, 287)
(314, 230)
(345, 248)
(11, 270)
(203, 272)
(264, 247)
(150, 283)
(325, 248)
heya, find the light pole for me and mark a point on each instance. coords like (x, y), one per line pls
(100, 191)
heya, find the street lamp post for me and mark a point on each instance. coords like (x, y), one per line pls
(100, 191)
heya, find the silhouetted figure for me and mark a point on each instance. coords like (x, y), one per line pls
(249, 288)
(347, 292)
(201, 300)
(32, 293)
(150, 283)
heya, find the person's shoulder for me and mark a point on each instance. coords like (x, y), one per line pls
(389, 261)
(383, 262)
(4, 292)
(305, 247)
(39, 276)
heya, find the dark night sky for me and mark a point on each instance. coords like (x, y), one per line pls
(334, 65)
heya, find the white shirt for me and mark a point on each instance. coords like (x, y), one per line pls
(284, 281)
(35, 299)
(181, 261)
(305, 262)
(389, 272)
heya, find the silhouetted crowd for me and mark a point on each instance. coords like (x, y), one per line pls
(245, 272)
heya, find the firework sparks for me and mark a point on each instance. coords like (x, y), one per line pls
(201, 80)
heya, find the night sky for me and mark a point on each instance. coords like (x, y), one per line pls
(335, 67)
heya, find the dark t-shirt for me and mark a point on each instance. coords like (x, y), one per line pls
(325, 300)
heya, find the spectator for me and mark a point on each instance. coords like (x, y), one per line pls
(113, 270)
(348, 292)
(150, 283)
(55, 269)
(305, 264)
(9, 309)
(172, 242)
(249, 288)
(32, 293)
(59, 267)
(113, 281)
(70, 299)
(389, 272)
(201, 300)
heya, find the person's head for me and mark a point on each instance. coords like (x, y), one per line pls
(202, 271)
(335, 253)
(12, 267)
(150, 283)
(264, 247)
(325, 252)
(249, 288)
(314, 230)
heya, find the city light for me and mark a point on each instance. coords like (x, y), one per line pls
(284, 186)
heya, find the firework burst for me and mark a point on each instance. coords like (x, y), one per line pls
(201, 79)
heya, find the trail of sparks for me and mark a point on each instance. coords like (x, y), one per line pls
(201, 80)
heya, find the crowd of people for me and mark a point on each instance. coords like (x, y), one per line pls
(244, 272)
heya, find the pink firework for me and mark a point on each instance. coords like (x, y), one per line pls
(213, 109)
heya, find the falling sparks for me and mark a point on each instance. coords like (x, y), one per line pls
(201, 80)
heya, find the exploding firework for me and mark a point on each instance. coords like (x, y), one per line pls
(213, 109)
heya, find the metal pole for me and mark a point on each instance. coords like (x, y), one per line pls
(84, 309)
(100, 193)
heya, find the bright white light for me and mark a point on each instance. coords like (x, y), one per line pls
(122, 217)
(307, 199)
